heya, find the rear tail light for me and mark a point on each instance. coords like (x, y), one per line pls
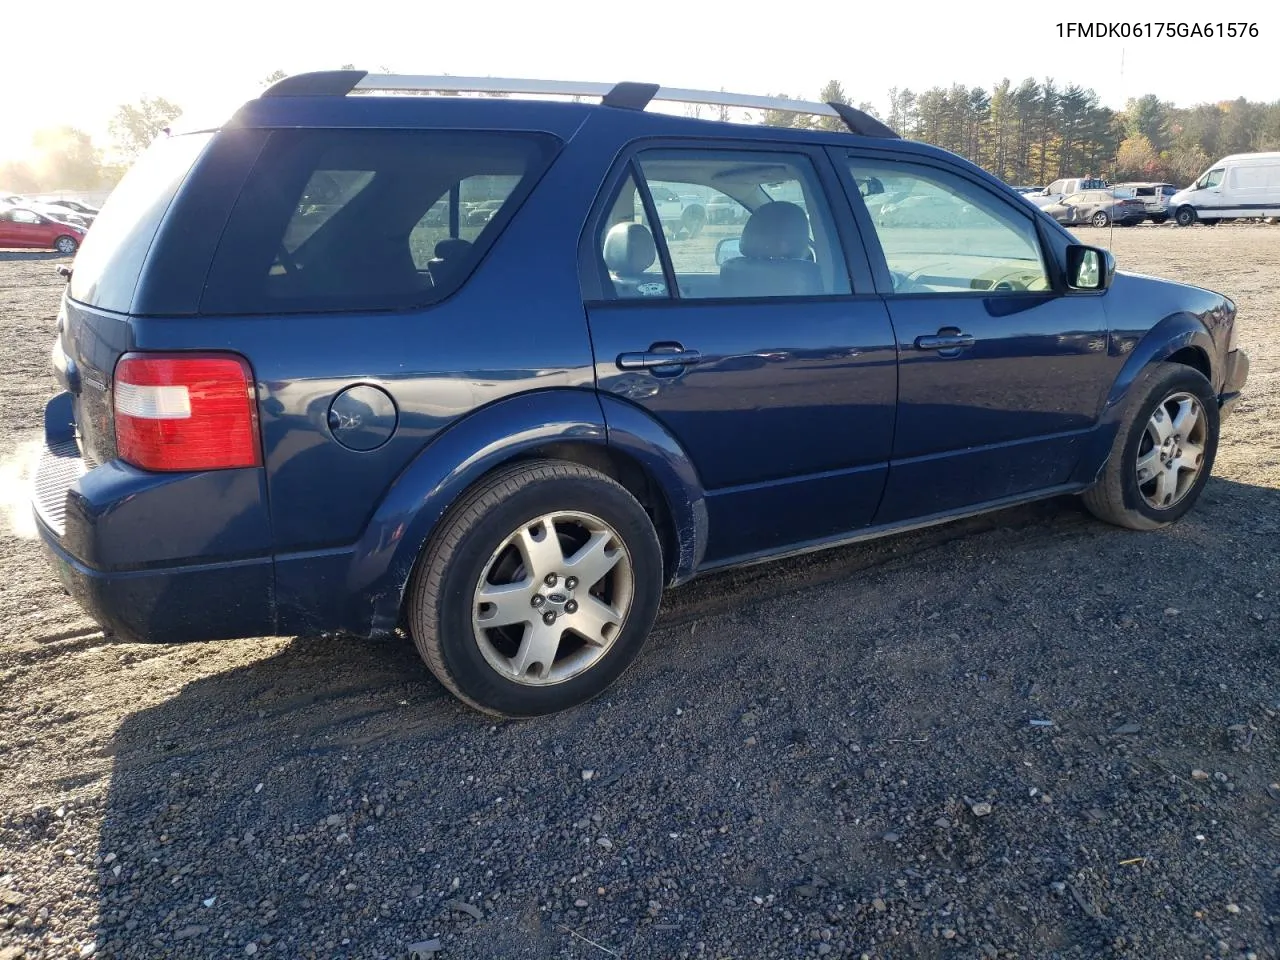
(185, 412)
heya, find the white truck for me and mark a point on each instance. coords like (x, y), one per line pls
(1242, 186)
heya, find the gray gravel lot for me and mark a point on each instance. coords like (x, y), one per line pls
(1025, 735)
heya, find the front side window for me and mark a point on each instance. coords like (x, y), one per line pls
(24, 216)
(367, 219)
(1211, 179)
(739, 224)
(945, 235)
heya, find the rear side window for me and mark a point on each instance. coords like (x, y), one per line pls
(110, 260)
(368, 219)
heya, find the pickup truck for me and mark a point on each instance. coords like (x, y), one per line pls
(682, 216)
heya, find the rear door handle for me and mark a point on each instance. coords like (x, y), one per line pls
(649, 359)
(945, 341)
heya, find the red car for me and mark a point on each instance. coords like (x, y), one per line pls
(20, 227)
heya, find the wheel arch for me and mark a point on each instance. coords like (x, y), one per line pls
(1179, 338)
(563, 424)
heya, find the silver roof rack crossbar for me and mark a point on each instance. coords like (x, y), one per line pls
(627, 95)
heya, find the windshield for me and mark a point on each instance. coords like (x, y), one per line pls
(107, 267)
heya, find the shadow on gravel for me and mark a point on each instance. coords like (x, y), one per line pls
(8, 255)
(798, 760)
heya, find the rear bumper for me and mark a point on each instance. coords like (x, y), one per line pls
(210, 602)
(1237, 373)
(157, 557)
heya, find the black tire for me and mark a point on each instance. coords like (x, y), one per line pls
(66, 245)
(1185, 216)
(1100, 219)
(693, 220)
(440, 597)
(1117, 497)
(1209, 223)
(1159, 219)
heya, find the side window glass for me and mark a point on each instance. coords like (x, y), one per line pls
(477, 198)
(942, 234)
(628, 248)
(740, 224)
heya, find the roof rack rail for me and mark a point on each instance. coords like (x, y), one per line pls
(627, 95)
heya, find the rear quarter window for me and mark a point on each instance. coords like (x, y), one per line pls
(110, 260)
(368, 219)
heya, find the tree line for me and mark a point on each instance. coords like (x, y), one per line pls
(1031, 133)
(1038, 131)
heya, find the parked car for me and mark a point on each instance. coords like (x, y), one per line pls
(931, 211)
(57, 213)
(23, 227)
(1154, 197)
(75, 206)
(1059, 189)
(1243, 186)
(506, 445)
(1098, 208)
(723, 209)
(682, 216)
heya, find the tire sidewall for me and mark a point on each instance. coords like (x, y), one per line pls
(459, 648)
(1177, 381)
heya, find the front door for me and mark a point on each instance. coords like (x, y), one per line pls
(1000, 372)
(746, 339)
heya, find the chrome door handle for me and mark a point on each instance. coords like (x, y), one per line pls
(945, 341)
(649, 359)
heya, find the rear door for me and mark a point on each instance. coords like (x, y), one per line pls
(1000, 371)
(758, 343)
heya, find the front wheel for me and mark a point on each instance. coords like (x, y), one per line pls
(66, 245)
(1185, 216)
(1163, 452)
(538, 590)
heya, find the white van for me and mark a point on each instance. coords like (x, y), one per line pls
(1241, 186)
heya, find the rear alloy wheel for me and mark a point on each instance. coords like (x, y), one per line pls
(1163, 452)
(538, 591)
(1100, 219)
(66, 245)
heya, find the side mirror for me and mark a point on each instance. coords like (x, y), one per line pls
(1089, 268)
(728, 249)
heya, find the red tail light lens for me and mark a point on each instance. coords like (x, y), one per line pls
(185, 412)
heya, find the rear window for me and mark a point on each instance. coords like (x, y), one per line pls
(368, 219)
(110, 260)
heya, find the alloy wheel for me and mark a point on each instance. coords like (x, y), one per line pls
(553, 598)
(1171, 452)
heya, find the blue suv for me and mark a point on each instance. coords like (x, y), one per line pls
(366, 359)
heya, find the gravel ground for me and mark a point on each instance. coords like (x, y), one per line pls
(1026, 735)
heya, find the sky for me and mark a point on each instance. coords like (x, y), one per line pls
(97, 54)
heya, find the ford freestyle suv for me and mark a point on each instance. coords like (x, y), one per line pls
(304, 391)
